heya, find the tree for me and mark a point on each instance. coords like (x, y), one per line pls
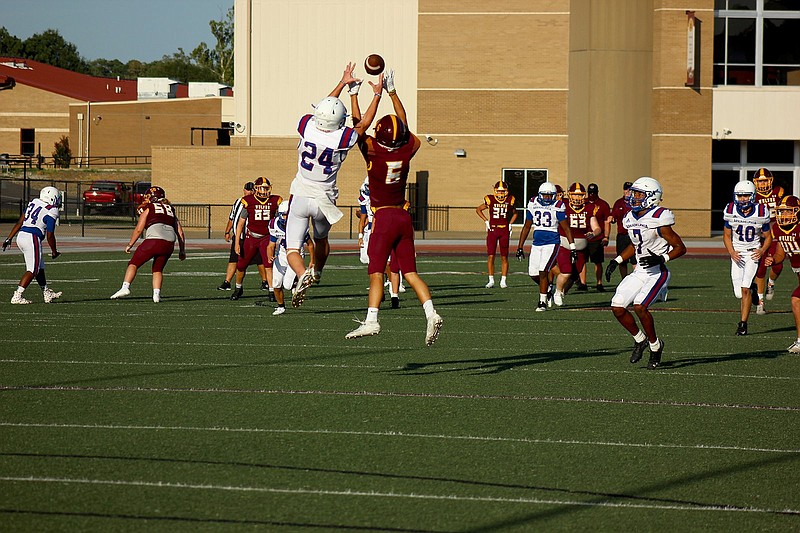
(218, 60)
(107, 68)
(178, 66)
(10, 45)
(50, 47)
(62, 154)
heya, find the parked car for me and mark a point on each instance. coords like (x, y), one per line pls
(109, 196)
(139, 188)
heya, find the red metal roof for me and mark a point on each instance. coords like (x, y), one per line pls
(65, 82)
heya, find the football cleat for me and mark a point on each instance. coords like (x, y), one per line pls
(395, 302)
(264, 286)
(600, 288)
(558, 297)
(303, 284)
(582, 287)
(237, 293)
(50, 295)
(541, 307)
(121, 293)
(401, 288)
(434, 327)
(490, 284)
(156, 298)
(760, 310)
(655, 357)
(364, 330)
(317, 277)
(638, 351)
(741, 329)
(17, 298)
(503, 285)
(794, 348)
(279, 310)
(770, 291)
(272, 296)
(225, 286)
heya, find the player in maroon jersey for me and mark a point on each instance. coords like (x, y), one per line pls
(498, 228)
(388, 155)
(258, 209)
(769, 195)
(786, 232)
(618, 212)
(161, 228)
(597, 244)
(583, 224)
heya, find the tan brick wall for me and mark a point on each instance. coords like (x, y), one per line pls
(25, 107)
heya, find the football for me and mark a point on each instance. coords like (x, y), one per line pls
(374, 64)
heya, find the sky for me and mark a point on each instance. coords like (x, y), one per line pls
(119, 29)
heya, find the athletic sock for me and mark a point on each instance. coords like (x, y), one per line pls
(639, 337)
(428, 308)
(654, 346)
(372, 314)
(126, 285)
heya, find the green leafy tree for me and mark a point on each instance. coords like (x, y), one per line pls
(51, 48)
(178, 66)
(108, 68)
(219, 59)
(10, 45)
(62, 155)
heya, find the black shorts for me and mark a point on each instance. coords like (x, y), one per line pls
(595, 250)
(623, 241)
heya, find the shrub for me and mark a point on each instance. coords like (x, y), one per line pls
(62, 154)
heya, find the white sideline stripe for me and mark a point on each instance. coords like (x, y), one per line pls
(376, 494)
(400, 434)
(372, 367)
(393, 394)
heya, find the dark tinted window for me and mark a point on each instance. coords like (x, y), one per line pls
(770, 152)
(725, 151)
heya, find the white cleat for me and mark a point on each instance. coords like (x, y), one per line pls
(558, 298)
(770, 291)
(364, 330)
(794, 348)
(541, 307)
(490, 284)
(156, 298)
(434, 327)
(50, 295)
(17, 298)
(401, 288)
(503, 285)
(121, 293)
(279, 311)
(303, 284)
(760, 309)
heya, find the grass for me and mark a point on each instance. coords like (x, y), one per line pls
(200, 413)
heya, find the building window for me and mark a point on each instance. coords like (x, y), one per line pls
(523, 183)
(27, 142)
(755, 42)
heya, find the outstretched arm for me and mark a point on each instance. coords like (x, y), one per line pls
(347, 78)
(369, 116)
(399, 110)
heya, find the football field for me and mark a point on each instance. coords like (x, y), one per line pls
(201, 413)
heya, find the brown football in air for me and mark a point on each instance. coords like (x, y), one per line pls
(374, 64)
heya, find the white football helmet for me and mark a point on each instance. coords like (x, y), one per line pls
(744, 188)
(283, 208)
(547, 193)
(51, 196)
(365, 187)
(645, 193)
(330, 114)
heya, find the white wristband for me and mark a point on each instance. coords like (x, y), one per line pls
(360, 235)
(666, 257)
(572, 246)
(618, 259)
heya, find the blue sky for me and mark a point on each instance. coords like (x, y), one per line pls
(119, 29)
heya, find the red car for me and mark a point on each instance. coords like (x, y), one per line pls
(113, 196)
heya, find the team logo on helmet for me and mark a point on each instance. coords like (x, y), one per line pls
(391, 132)
(262, 187)
(786, 211)
(548, 193)
(744, 194)
(644, 194)
(501, 191)
(154, 195)
(577, 196)
(763, 181)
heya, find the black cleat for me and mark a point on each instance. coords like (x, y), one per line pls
(600, 288)
(226, 286)
(655, 357)
(638, 350)
(395, 302)
(237, 293)
(741, 329)
(582, 287)
(264, 286)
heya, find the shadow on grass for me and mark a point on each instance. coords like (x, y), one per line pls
(495, 365)
(715, 359)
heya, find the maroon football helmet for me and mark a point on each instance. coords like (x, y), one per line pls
(154, 194)
(577, 196)
(262, 187)
(763, 180)
(391, 132)
(786, 211)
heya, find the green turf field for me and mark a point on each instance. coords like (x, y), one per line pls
(200, 413)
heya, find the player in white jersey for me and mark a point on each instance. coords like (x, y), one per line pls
(544, 214)
(283, 277)
(37, 223)
(324, 144)
(747, 238)
(365, 216)
(654, 242)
